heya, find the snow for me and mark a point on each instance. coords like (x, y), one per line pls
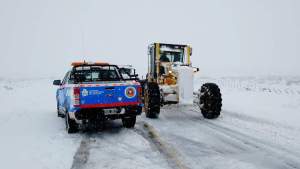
(123, 148)
(31, 134)
(259, 128)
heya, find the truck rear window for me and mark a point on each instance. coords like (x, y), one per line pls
(95, 74)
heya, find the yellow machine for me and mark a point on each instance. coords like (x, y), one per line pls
(170, 81)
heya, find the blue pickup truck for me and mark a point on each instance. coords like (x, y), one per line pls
(91, 93)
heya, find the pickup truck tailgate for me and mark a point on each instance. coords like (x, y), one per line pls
(108, 96)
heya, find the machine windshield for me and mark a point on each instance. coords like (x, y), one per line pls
(171, 56)
(95, 74)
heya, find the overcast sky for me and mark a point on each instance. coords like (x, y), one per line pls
(229, 37)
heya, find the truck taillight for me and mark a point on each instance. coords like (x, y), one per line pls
(140, 93)
(76, 92)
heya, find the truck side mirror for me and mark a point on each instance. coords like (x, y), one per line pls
(57, 82)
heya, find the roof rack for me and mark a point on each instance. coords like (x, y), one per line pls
(100, 63)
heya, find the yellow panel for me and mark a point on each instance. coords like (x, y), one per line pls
(157, 54)
(188, 55)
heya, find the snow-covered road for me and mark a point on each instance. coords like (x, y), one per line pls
(259, 128)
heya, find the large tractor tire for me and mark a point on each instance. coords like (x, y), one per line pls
(210, 101)
(143, 82)
(152, 100)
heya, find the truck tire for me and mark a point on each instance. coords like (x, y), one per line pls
(129, 121)
(152, 100)
(71, 125)
(58, 113)
(210, 100)
(143, 82)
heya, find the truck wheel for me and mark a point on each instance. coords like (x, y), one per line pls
(210, 100)
(71, 125)
(142, 82)
(58, 113)
(129, 121)
(152, 100)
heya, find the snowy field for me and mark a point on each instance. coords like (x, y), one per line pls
(259, 128)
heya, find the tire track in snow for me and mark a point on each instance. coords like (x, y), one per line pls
(290, 158)
(169, 152)
(244, 117)
(82, 154)
(146, 131)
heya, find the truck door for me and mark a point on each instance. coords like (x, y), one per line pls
(62, 93)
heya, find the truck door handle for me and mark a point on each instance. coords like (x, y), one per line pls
(110, 88)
